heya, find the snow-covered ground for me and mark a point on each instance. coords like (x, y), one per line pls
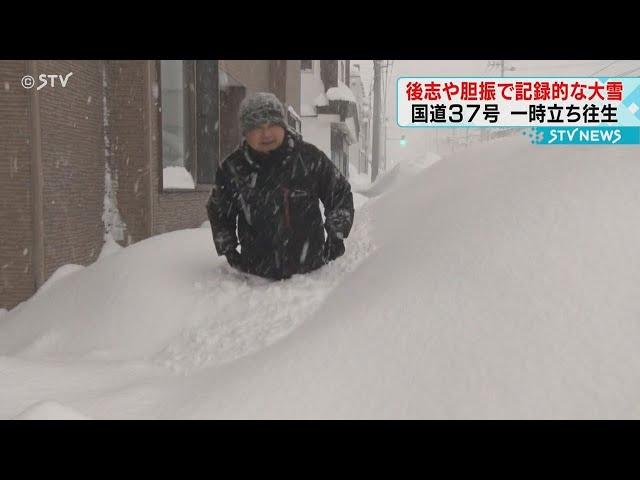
(499, 282)
(50, 411)
(403, 171)
(358, 181)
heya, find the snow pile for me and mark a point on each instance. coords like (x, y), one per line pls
(62, 272)
(49, 410)
(401, 173)
(490, 296)
(481, 287)
(240, 314)
(109, 247)
(177, 177)
(341, 92)
(359, 200)
(126, 306)
(170, 298)
(358, 181)
(114, 226)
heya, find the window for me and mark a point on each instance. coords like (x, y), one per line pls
(306, 65)
(207, 120)
(189, 109)
(177, 125)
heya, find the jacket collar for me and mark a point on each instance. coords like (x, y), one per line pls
(279, 156)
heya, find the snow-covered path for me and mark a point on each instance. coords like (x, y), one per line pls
(501, 282)
(106, 333)
(239, 315)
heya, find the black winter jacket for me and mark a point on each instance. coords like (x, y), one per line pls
(272, 200)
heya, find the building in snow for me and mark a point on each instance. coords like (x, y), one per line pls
(329, 110)
(125, 150)
(360, 152)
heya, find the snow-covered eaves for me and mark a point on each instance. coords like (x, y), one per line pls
(341, 92)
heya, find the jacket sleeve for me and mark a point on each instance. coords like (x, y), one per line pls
(335, 194)
(222, 212)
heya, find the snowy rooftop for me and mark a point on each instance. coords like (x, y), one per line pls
(321, 100)
(341, 92)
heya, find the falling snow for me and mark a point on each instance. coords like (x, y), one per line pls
(471, 287)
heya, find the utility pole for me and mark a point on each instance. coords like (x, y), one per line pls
(368, 148)
(375, 149)
(501, 63)
(384, 158)
(384, 113)
(495, 63)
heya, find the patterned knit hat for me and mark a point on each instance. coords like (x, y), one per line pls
(260, 108)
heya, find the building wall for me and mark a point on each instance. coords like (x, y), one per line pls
(311, 85)
(278, 78)
(317, 130)
(293, 85)
(126, 144)
(357, 87)
(107, 114)
(252, 74)
(329, 73)
(72, 146)
(16, 227)
(284, 81)
(357, 154)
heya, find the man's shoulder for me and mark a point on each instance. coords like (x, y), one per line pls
(234, 157)
(310, 151)
(307, 146)
(231, 162)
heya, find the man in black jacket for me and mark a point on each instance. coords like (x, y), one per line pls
(268, 190)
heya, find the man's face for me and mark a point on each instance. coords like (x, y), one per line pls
(266, 137)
